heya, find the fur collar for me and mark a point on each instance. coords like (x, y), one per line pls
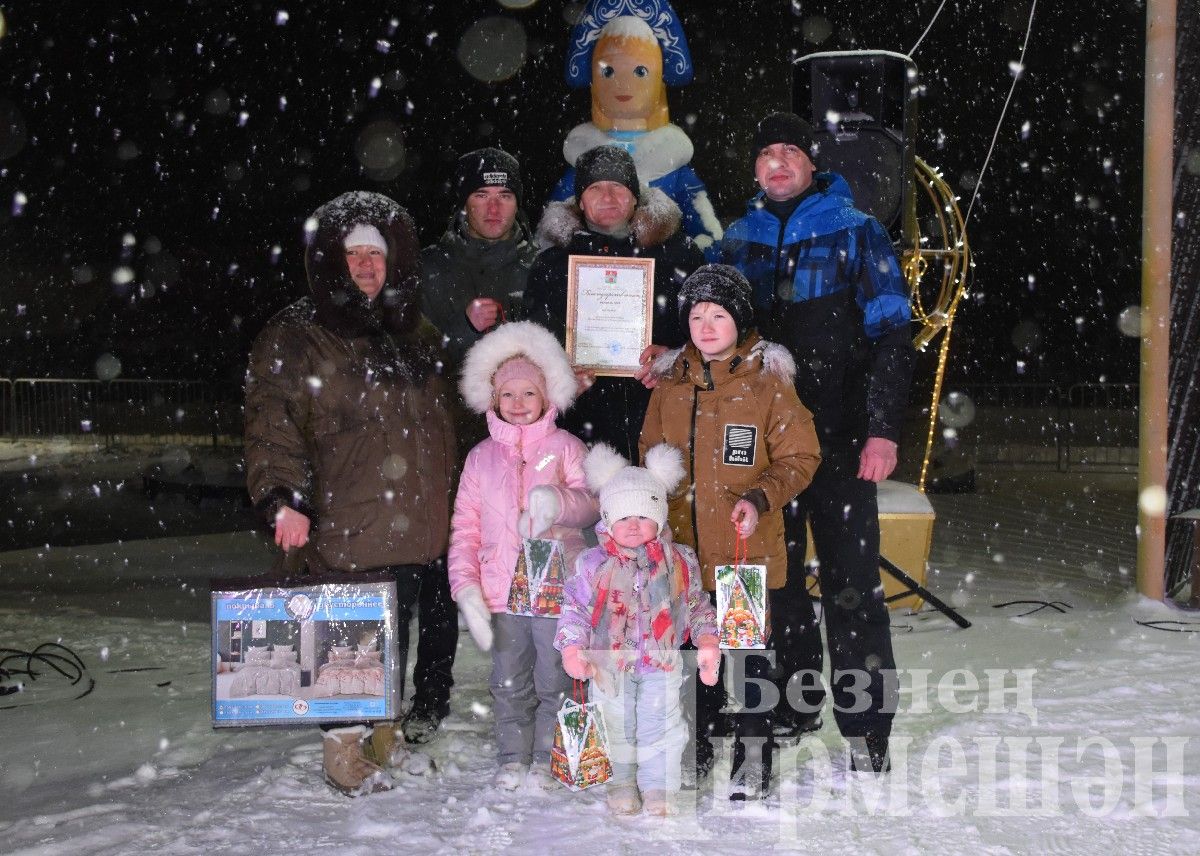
(340, 306)
(775, 359)
(655, 219)
(655, 153)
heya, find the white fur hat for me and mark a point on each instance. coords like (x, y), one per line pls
(518, 338)
(627, 491)
(365, 234)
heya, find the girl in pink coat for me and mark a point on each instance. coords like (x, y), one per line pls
(521, 503)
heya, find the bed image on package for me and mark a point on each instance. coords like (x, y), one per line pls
(266, 671)
(350, 671)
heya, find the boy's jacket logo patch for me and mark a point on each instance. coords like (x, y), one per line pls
(740, 441)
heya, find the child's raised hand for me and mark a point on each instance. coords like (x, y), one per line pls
(542, 509)
(575, 663)
(744, 517)
(708, 659)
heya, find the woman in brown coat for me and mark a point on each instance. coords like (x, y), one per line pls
(727, 400)
(349, 446)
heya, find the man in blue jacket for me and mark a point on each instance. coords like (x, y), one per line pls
(828, 286)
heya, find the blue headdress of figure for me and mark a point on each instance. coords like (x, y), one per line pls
(677, 61)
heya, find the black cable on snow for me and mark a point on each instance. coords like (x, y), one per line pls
(1180, 626)
(1039, 605)
(43, 661)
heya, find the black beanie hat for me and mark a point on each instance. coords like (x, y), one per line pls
(723, 285)
(606, 163)
(784, 128)
(486, 168)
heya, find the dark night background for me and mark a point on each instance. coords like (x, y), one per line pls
(166, 182)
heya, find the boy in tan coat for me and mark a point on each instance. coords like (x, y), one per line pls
(727, 400)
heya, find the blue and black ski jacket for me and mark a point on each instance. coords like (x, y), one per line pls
(828, 286)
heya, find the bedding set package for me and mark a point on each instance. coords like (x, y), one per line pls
(284, 654)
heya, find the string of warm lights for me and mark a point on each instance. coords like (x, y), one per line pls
(954, 256)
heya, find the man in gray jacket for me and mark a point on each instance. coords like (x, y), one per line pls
(473, 278)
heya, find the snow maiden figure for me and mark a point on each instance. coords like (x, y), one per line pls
(628, 51)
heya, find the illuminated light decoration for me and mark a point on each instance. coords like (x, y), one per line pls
(934, 307)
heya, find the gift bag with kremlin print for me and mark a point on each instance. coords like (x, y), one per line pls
(742, 606)
(537, 584)
(579, 756)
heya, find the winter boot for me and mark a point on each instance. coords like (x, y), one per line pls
(382, 744)
(422, 720)
(539, 778)
(623, 800)
(870, 754)
(388, 749)
(510, 776)
(347, 769)
(659, 803)
(751, 776)
(788, 723)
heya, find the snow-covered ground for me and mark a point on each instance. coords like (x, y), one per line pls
(1097, 753)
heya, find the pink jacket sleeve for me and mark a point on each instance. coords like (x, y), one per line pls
(580, 508)
(462, 560)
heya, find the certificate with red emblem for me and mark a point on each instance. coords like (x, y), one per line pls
(610, 312)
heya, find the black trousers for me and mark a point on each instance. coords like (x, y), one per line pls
(751, 670)
(845, 525)
(437, 637)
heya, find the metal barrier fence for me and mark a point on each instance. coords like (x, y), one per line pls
(1103, 428)
(154, 411)
(6, 405)
(1044, 425)
(1048, 425)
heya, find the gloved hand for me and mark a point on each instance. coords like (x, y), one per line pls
(575, 663)
(542, 509)
(475, 612)
(708, 659)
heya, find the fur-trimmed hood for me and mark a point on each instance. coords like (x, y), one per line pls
(772, 358)
(341, 307)
(518, 338)
(655, 219)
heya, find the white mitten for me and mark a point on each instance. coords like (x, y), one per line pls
(542, 511)
(475, 612)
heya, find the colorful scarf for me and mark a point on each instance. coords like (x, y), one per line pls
(640, 611)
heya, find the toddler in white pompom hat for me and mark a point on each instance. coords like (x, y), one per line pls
(631, 603)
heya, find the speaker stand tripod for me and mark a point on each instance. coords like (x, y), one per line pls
(914, 587)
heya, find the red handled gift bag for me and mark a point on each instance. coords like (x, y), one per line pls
(742, 614)
(579, 757)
